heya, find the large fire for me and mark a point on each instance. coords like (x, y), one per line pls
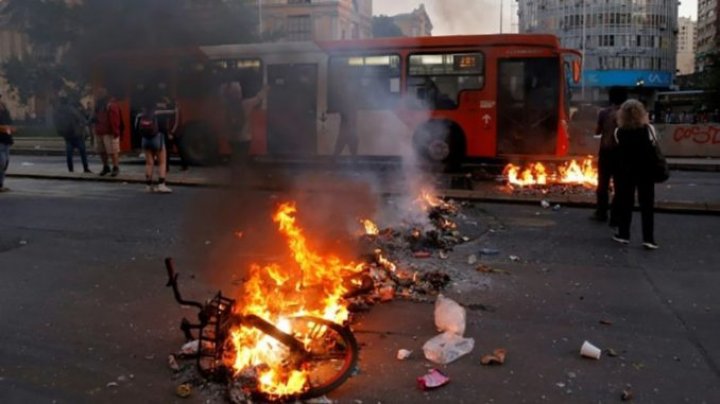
(570, 173)
(313, 286)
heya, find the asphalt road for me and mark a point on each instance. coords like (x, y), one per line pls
(83, 302)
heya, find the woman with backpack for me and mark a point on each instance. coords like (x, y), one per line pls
(153, 146)
(636, 159)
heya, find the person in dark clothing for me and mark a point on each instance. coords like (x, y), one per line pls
(348, 135)
(606, 124)
(636, 159)
(6, 140)
(168, 116)
(70, 124)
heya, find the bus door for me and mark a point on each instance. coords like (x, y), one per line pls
(528, 105)
(292, 109)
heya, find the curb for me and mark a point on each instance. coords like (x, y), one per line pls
(571, 201)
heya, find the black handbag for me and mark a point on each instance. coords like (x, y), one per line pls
(661, 170)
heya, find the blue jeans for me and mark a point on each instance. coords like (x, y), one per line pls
(72, 143)
(4, 161)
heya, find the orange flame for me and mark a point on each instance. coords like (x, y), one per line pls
(314, 286)
(371, 228)
(570, 173)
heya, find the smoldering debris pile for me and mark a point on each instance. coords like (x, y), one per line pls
(391, 255)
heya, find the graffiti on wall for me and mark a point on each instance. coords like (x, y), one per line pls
(698, 134)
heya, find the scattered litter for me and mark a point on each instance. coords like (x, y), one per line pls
(612, 353)
(626, 395)
(561, 385)
(184, 390)
(572, 375)
(496, 358)
(638, 365)
(150, 357)
(319, 400)
(556, 207)
(443, 255)
(422, 254)
(112, 384)
(545, 204)
(472, 259)
(589, 350)
(514, 258)
(606, 322)
(403, 354)
(466, 238)
(447, 347)
(449, 315)
(122, 378)
(432, 380)
(23, 242)
(488, 270)
(489, 251)
(190, 348)
(208, 242)
(172, 363)
(386, 293)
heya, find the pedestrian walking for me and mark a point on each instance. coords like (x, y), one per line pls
(153, 145)
(70, 124)
(636, 162)
(108, 129)
(606, 124)
(6, 141)
(168, 116)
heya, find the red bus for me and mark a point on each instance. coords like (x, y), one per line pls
(444, 99)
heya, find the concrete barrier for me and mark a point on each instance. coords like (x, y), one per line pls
(676, 140)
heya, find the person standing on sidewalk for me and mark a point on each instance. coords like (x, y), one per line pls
(108, 129)
(153, 145)
(607, 122)
(636, 160)
(168, 116)
(70, 124)
(6, 141)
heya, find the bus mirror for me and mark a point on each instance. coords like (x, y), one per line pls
(576, 71)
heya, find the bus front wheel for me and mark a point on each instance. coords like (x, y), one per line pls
(198, 144)
(440, 142)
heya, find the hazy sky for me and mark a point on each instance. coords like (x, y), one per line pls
(474, 16)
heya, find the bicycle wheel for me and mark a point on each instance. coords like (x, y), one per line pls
(333, 355)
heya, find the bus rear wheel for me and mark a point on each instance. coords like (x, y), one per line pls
(440, 143)
(198, 144)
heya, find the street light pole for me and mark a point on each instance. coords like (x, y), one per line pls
(582, 62)
(260, 19)
(501, 16)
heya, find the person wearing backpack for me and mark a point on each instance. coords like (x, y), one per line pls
(70, 125)
(109, 126)
(153, 145)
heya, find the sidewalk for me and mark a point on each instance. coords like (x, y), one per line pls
(685, 192)
(54, 146)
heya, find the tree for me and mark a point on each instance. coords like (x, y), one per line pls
(65, 39)
(384, 26)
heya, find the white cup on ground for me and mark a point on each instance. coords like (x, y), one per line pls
(589, 350)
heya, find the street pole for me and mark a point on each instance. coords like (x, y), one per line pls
(501, 16)
(582, 62)
(260, 27)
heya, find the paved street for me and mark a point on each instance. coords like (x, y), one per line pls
(84, 302)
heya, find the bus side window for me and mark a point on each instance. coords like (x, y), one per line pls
(373, 81)
(436, 80)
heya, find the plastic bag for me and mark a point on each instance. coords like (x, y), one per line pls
(449, 315)
(447, 347)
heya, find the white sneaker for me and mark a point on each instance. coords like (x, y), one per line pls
(163, 189)
(149, 188)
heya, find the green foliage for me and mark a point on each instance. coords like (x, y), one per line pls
(384, 26)
(66, 40)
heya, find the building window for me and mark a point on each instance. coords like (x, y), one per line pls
(298, 28)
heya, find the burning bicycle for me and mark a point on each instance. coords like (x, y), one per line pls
(300, 358)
